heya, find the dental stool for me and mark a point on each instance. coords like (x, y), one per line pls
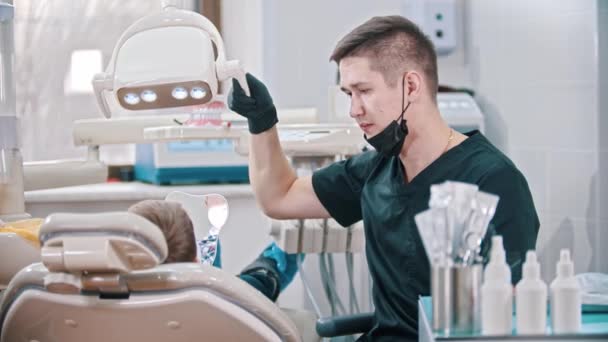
(100, 280)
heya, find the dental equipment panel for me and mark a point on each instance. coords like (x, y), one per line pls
(170, 153)
(461, 112)
(305, 140)
(318, 236)
(207, 160)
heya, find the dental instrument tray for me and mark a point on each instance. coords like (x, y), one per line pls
(203, 154)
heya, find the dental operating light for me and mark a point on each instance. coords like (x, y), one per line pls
(166, 61)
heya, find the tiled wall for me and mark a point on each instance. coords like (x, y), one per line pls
(535, 64)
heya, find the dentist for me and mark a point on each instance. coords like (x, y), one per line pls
(388, 68)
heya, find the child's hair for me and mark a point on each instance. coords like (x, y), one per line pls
(175, 224)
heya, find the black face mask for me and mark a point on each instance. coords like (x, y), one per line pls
(390, 141)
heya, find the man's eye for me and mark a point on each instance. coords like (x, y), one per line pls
(364, 91)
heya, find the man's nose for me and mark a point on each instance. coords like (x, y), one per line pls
(356, 108)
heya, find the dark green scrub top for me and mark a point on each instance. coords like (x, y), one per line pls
(373, 188)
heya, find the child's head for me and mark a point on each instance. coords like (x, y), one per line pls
(175, 224)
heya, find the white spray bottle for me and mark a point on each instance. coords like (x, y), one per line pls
(531, 299)
(497, 293)
(565, 297)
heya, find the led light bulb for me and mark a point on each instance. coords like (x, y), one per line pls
(131, 98)
(198, 93)
(179, 93)
(148, 95)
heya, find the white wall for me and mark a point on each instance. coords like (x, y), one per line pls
(535, 67)
(602, 178)
(242, 22)
(299, 38)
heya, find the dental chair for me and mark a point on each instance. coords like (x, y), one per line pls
(15, 254)
(100, 280)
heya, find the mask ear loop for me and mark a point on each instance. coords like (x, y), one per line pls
(403, 101)
(403, 96)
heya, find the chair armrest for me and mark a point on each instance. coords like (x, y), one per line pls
(345, 325)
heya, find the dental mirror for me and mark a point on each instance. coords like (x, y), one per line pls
(217, 210)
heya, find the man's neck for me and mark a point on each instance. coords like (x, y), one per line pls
(427, 140)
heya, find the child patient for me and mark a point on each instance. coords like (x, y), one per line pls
(270, 273)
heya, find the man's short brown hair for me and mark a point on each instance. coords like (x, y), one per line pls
(394, 45)
(175, 224)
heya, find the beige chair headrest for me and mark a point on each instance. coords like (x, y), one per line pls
(103, 242)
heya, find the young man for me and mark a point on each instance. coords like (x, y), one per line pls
(388, 67)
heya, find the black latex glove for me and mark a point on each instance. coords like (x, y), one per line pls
(257, 108)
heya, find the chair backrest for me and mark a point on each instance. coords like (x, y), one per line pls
(100, 281)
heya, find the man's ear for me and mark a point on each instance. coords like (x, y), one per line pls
(413, 85)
